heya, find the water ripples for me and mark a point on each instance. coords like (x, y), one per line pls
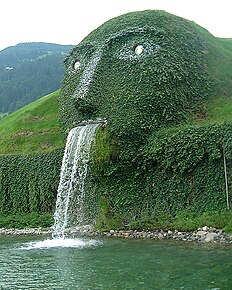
(33, 263)
(43, 264)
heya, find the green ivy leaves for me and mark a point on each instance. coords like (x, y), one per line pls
(29, 183)
(183, 149)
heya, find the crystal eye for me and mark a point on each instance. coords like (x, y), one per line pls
(139, 49)
(77, 65)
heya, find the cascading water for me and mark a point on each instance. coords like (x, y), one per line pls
(69, 203)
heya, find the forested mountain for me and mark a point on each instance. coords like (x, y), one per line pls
(29, 71)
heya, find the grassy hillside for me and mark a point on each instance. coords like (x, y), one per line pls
(220, 65)
(219, 109)
(32, 129)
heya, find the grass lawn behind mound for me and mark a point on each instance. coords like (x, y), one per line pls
(33, 128)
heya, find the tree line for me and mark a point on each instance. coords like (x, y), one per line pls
(29, 71)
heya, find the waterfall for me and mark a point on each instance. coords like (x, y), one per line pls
(70, 193)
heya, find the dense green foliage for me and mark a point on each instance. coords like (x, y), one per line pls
(29, 183)
(159, 162)
(33, 128)
(181, 150)
(178, 171)
(187, 220)
(26, 220)
(164, 85)
(29, 71)
(162, 152)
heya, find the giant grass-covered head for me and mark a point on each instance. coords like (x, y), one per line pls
(141, 71)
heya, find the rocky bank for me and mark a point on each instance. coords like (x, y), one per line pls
(24, 232)
(203, 235)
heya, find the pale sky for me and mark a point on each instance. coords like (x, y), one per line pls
(69, 21)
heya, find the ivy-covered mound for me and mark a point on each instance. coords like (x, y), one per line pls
(28, 189)
(147, 72)
(141, 71)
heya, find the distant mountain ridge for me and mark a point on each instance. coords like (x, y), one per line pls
(29, 71)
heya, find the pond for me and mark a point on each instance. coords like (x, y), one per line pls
(84, 263)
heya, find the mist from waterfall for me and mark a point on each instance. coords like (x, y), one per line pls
(71, 190)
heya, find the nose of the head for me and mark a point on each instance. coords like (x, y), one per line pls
(86, 78)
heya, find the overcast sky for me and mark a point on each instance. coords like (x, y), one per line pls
(69, 21)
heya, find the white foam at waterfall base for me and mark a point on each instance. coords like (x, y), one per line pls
(61, 243)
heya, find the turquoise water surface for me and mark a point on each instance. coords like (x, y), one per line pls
(42, 263)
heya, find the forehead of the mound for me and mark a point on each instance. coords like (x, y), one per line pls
(149, 19)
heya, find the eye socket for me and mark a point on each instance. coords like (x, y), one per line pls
(139, 49)
(77, 65)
